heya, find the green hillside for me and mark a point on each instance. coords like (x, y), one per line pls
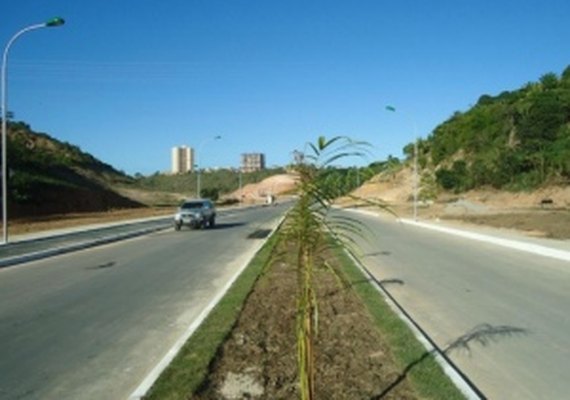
(517, 140)
(47, 176)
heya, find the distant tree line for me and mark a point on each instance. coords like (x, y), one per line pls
(340, 181)
(213, 184)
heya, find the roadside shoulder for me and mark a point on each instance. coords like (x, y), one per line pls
(559, 249)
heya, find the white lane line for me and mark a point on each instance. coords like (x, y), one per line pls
(149, 380)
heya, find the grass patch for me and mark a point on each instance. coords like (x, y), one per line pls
(416, 363)
(190, 367)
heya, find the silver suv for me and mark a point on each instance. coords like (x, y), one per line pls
(199, 213)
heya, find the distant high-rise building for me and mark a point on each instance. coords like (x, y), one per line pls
(298, 157)
(252, 162)
(182, 159)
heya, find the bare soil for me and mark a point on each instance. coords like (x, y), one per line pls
(259, 359)
(540, 223)
(544, 212)
(536, 222)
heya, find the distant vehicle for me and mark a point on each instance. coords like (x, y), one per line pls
(269, 199)
(198, 213)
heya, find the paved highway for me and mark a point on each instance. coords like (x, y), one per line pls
(517, 305)
(31, 247)
(91, 324)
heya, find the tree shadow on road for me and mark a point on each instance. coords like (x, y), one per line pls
(377, 253)
(483, 335)
(227, 225)
(348, 285)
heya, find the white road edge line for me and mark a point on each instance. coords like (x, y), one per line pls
(513, 244)
(458, 380)
(149, 380)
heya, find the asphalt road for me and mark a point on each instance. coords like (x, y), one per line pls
(513, 306)
(37, 246)
(92, 324)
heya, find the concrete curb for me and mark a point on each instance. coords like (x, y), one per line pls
(14, 260)
(525, 246)
(30, 237)
(513, 244)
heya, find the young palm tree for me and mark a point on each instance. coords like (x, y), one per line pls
(309, 225)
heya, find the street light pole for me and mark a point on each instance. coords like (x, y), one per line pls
(198, 180)
(415, 179)
(48, 24)
(415, 175)
(240, 187)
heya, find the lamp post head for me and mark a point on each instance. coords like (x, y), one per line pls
(57, 21)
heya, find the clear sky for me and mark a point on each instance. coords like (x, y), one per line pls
(126, 80)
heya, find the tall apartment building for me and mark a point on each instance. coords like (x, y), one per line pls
(252, 162)
(182, 159)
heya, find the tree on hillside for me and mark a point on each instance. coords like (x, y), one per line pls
(565, 77)
(518, 139)
(549, 80)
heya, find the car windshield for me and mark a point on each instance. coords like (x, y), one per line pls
(192, 205)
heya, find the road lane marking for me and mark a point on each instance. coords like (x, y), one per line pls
(154, 374)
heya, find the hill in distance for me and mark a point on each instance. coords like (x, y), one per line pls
(47, 177)
(516, 141)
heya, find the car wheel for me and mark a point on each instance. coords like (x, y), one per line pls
(177, 227)
(212, 222)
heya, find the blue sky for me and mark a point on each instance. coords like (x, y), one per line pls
(127, 80)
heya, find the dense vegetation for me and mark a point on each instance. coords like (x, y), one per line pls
(517, 140)
(340, 181)
(47, 176)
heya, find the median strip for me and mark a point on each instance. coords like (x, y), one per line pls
(190, 370)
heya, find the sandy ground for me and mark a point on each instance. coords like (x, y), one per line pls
(544, 212)
(277, 185)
